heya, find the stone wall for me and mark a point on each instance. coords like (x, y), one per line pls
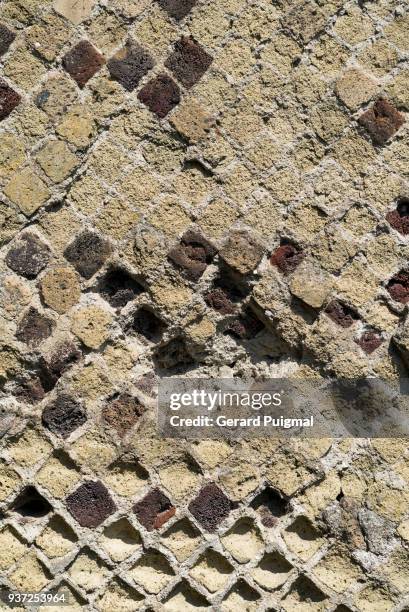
(206, 188)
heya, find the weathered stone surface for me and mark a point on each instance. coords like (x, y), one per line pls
(242, 252)
(61, 358)
(286, 257)
(90, 504)
(87, 253)
(82, 62)
(74, 10)
(63, 416)
(146, 323)
(398, 287)
(355, 87)
(122, 412)
(211, 507)
(245, 327)
(311, 285)
(27, 190)
(154, 510)
(225, 198)
(399, 218)
(369, 341)
(341, 314)
(189, 61)
(130, 64)
(118, 287)
(91, 325)
(9, 99)
(57, 161)
(178, 9)
(34, 327)
(172, 355)
(160, 95)
(381, 121)
(28, 256)
(7, 36)
(192, 255)
(60, 289)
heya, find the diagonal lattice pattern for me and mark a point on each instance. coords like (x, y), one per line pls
(207, 189)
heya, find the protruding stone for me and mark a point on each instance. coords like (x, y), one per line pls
(130, 64)
(90, 504)
(28, 256)
(154, 510)
(60, 289)
(63, 416)
(34, 328)
(88, 253)
(211, 507)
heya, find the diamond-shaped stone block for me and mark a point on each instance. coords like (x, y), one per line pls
(63, 416)
(211, 507)
(154, 510)
(87, 253)
(160, 95)
(6, 38)
(9, 99)
(178, 9)
(130, 64)
(381, 121)
(90, 504)
(74, 10)
(82, 62)
(189, 61)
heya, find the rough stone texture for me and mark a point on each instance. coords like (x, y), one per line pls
(355, 88)
(60, 359)
(9, 99)
(399, 218)
(192, 255)
(220, 300)
(178, 9)
(27, 190)
(382, 121)
(75, 11)
(87, 253)
(210, 507)
(28, 256)
(369, 341)
(34, 327)
(398, 287)
(341, 314)
(82, 62)
(173, 355)
(130, 64)
(242, 252)
(63, 416)
(6, 38)
(160, 95)
(286, 257)
(188, 62)
(90, 504)
(255, 125)
(91, 325)
(118, 287)
(60, 289)
(57, 161)
(146, 323)
(245, 327)
(122, 413)
(154, 510)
